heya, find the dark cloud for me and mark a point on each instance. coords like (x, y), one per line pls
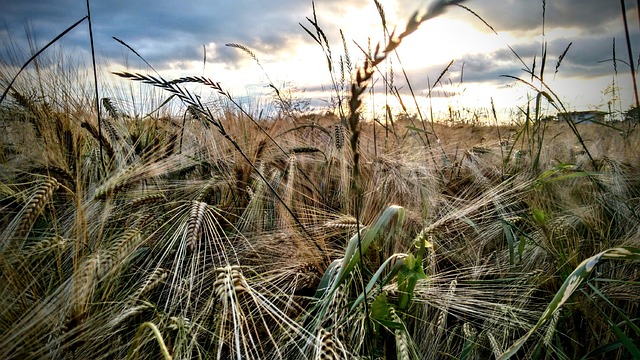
(590, 16)
(585, 57)
(476, 68)
(165, 31)
(271, 26)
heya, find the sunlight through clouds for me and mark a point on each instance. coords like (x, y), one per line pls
(171, 38)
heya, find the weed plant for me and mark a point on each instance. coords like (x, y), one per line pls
(219, 234)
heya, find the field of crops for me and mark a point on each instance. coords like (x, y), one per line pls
(200, 231)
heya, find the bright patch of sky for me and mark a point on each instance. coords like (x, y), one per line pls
(175, 36)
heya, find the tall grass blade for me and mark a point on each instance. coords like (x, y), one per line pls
(571, 284)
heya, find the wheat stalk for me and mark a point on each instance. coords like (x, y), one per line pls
(189, 99)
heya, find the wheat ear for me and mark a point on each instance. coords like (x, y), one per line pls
(83, 283)
(119, 250)
(45, 246)
(495, 347)
(35, 206)
(328, 347)
(229, 283)
(194, 228)
(402, 338)
(152, 282)
(146, 199)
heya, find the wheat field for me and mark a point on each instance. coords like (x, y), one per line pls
(199, 231)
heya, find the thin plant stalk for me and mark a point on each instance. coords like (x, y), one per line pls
(34, 56)
(630, 52)
(95, 84)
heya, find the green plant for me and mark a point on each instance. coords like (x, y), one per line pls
(570, 285)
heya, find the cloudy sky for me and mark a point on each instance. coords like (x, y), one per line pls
(175, 35)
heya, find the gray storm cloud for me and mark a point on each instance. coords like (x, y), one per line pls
(170, 31)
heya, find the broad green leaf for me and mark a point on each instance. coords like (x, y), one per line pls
(393, 325)
(380, 308)
(407, 279)
(327, 278)
(389, 221)
(538, 216)
(381, 313)
(352, 254)
(399, 264)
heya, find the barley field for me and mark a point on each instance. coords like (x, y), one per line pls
(200, 230)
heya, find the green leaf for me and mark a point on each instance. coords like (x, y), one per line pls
(568, 171)
(380, 308)
(622, 314)
(381, 312)
(570, 285)
(327, 278)
(538, 216)
(393, 325)
(521, 245)
(596, 353)
(398, 263)
(352, 254)
(407, 279)
(386, 224)
(624, 339)
(508, 233)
